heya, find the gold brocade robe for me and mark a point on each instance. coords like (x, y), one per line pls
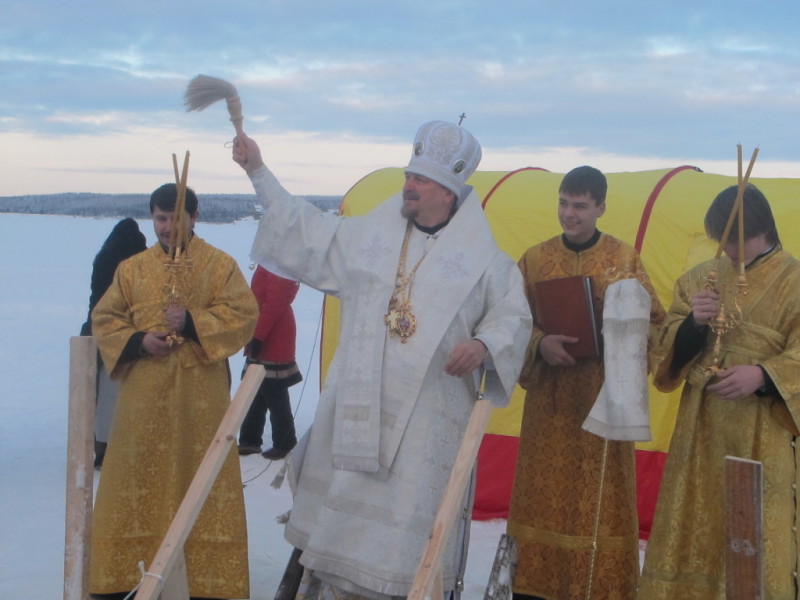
(554, 501)
(168, 411)
(686, 552)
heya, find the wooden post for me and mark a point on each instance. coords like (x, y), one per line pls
(171, 549)
(80, 471)
(176, 586)
(744, 529)
(428, 579)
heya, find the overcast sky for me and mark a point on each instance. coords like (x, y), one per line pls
(91, 92)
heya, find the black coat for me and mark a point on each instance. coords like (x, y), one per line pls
(124, 241)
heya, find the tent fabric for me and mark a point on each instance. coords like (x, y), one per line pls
(660, 212)
(497, 458)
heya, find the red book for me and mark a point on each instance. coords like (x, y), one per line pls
(565, 306)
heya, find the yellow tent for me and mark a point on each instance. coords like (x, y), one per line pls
(660, 212)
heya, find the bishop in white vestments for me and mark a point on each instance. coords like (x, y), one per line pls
(428, 305)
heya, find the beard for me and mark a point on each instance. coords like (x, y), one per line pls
(407, 211)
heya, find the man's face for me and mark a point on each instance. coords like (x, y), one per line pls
(752, 248)
(427, 202)
(578, 216)
(162, 225)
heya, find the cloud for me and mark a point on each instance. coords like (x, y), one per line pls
(623, 79)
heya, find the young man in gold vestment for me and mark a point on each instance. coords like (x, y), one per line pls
(554, 515)
(172, 399)
(750, 409)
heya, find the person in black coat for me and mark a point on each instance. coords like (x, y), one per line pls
(124, 241)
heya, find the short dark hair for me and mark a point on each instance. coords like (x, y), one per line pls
(166, 196)
(758, 217)
(585, 180)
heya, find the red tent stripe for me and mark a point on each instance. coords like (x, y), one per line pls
(651, 200)
(504, 178)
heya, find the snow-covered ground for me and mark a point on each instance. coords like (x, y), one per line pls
(45, 271)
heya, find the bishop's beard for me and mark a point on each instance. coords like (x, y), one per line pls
(407, 211)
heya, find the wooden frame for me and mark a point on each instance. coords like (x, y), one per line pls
(166, 577)
(170, 553)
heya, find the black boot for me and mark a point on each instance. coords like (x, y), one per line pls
(99, 453)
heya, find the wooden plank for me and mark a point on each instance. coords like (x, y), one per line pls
(437, 583)
(171, 548)
(428, 577)
(176, 586)
(80, 471)
(744, 529)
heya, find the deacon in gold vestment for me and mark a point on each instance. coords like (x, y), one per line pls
(172, 400)
(750, 410)
(554, 501)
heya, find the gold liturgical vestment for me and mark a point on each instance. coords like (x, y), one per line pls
(686, 553)
(555, 495)
(168, 411)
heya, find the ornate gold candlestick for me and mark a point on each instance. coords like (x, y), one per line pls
(178, 264)
(728, 319)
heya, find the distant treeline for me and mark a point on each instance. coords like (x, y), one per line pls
(214, 208)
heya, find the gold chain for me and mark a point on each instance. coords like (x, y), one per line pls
(399, 318)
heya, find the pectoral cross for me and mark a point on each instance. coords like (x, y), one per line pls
(401, 322)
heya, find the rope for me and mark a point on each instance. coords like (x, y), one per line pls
(144, 573)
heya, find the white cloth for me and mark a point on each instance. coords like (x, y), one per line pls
(363, 523)
(622, 411)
